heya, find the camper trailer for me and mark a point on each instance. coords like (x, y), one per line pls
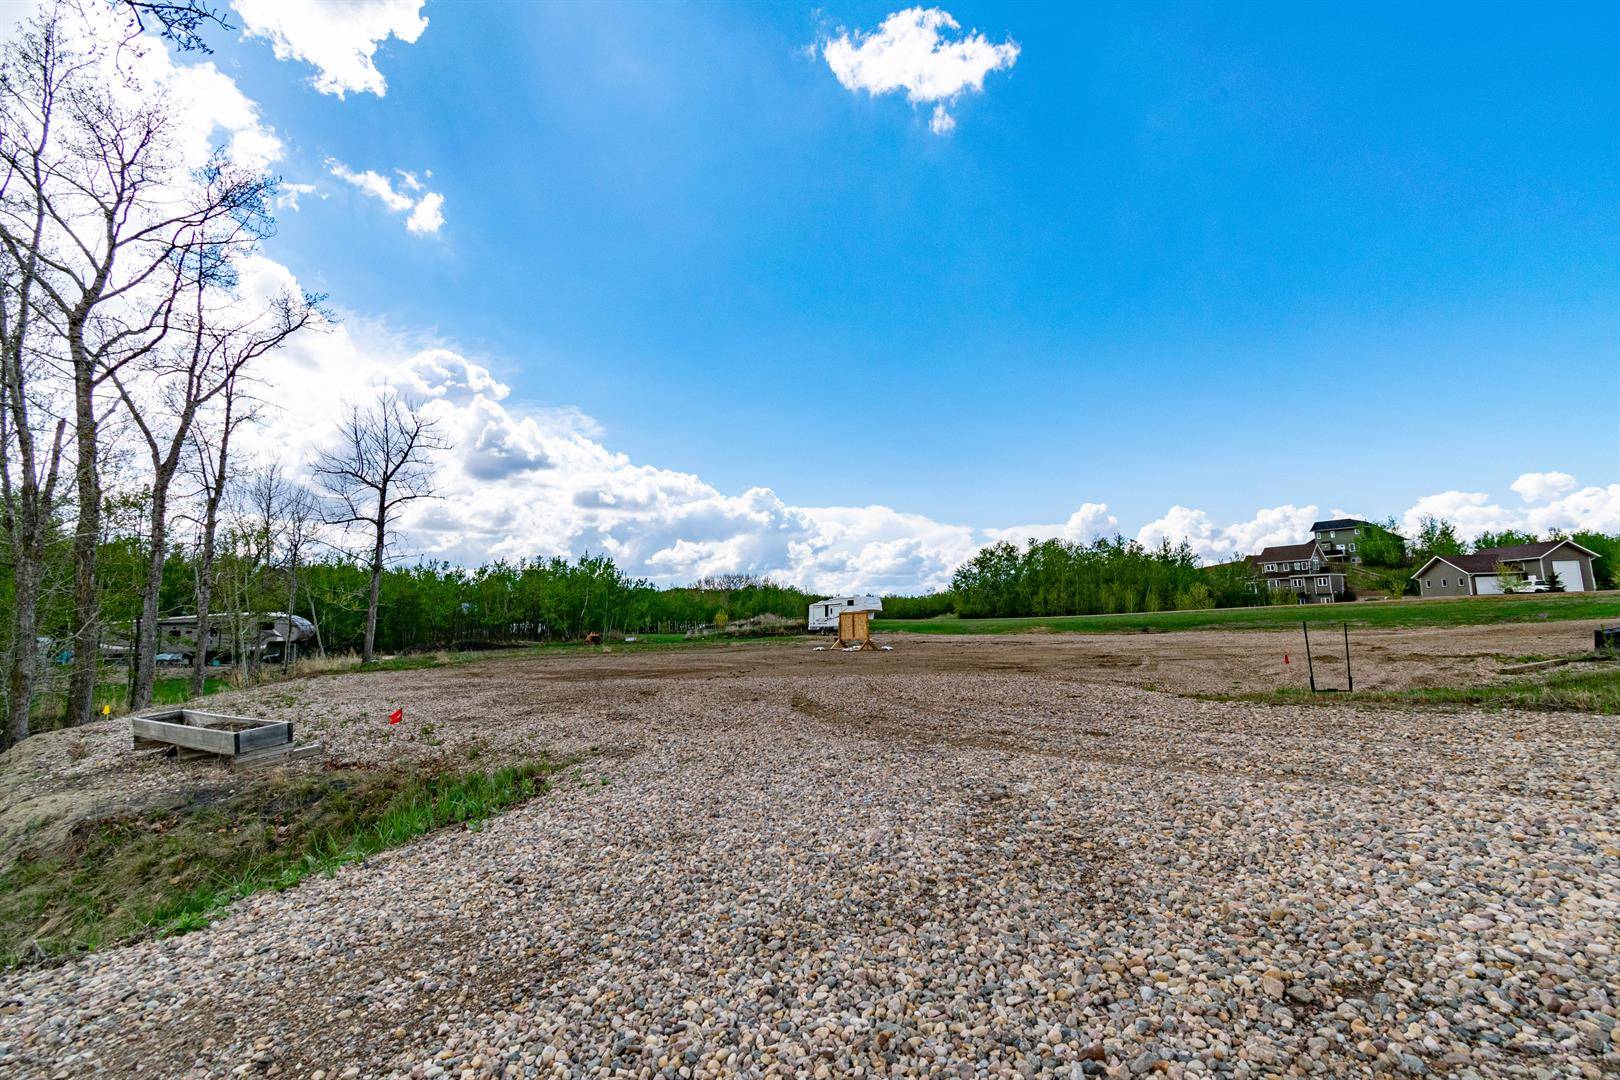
(268, 632)
(824, 613)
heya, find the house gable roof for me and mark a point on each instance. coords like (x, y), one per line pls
(1337, 523)
(1456, 562)
(1484, 562)
(1538, 550)
(1289, 552)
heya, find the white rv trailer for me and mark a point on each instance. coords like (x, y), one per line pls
(269, 633)
(824, 613)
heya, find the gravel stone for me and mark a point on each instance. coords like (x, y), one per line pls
(868, 870)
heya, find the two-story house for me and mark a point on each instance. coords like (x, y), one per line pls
(1338, 537)
(1303, 569)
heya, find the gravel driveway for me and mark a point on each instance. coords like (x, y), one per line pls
(854, 872)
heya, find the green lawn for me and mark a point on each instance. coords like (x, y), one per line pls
(1574, 689)
(49, 708)
(170, 870)
(1464, 611)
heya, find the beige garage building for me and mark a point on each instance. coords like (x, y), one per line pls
(1478, 574)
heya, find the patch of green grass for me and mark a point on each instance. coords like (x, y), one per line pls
(50, 709)
(1463, 611)
(1567, 691)
(173, 870)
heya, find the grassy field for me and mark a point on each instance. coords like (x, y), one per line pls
(173, 870)
(1464, 611)
(1576, 689)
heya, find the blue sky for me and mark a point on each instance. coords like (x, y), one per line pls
(1218, 257)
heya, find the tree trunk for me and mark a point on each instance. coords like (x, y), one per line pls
(30, 520)
(368, 650)
(86, 539)
(24, 658)
(205, 561)
(292, 602)
(205, 593)
(145, 659)
(315, 621)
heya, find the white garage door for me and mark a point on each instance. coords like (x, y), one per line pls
(1570, 574)
(1487, 584)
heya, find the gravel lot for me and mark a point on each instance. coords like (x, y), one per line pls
(856, 865)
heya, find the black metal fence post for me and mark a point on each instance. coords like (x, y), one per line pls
(1310, 666)
(1348, 674)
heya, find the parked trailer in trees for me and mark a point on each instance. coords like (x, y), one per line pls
(824, 613)
(268, 632)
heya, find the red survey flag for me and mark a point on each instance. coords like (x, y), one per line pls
(397, 715)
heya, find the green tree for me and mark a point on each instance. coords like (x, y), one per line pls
(1506, 538)
(1607, 546)
(1381, 546)
(1436, 536)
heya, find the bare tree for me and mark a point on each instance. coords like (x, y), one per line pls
(381, 461)
(217, 344)
(28, 501)
(300, 514)
(33, 78)
(97, 205)
(179, 21)
(276, 523)
(211, 457)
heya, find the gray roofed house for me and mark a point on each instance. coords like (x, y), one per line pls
(1479, 573)
(1338, 537)
(1301, 568)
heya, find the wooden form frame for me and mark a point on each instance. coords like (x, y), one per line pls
(233, 737)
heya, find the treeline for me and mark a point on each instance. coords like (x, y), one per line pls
(1115, 575)
(1060, 577)
(430, 605)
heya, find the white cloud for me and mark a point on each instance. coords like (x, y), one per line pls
(428, 214)
(1542, 486)
(424, 214)
(1473, 512)
(289, 194)
(1084, 525)
(208, 111)
(374, 184)
(339, 38)
(909, 53)
(1287, 524)
(525, 480)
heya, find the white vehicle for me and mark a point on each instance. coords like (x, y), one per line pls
(824, 613)
(269, 633)
(1530, 585)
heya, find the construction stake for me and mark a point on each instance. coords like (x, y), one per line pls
(1348, 674)
(1309, 665)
